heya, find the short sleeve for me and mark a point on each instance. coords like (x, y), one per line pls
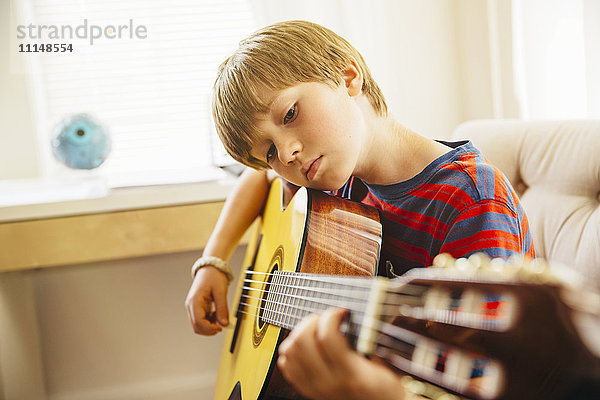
(489, 227)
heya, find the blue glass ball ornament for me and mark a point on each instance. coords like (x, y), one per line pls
(79, 142)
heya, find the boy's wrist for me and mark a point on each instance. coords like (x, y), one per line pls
(211, 261)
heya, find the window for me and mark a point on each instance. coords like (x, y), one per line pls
(556, 53)
(151, 93)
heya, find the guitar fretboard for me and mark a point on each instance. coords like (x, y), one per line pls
(292, 296)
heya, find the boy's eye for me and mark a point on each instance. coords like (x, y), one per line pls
(271, 153)
(290, 115)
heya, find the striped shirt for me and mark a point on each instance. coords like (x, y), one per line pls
(459, 204)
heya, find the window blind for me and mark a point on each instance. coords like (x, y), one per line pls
(152, 94)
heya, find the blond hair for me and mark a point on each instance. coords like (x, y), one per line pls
(277, 57)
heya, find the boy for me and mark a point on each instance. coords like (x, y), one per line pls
(299, 100)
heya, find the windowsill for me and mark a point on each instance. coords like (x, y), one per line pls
(122, 199)
(127, 222)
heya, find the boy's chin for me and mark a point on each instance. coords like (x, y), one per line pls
(327, 186)
(325, 182)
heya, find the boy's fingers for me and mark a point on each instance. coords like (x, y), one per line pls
(222, 313)
(301, 363)
(329, 338)
(206, 327)
(199, 313)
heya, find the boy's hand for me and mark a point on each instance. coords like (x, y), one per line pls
(317, 360)
(206, 301)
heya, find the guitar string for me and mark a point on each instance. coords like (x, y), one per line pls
(398, 290)
(388, 309)
(281, 278)
(291, 308)
(274, 296)
(400, 298)
(453, 317)
(277, 306)
(334, 303)
(358, 281)
(339, 292)
(408, 289)
(270, 313)
(366, 285)
(444, 276)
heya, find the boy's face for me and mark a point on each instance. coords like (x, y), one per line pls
(312, 135)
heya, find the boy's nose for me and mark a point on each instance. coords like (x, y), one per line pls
(288, 158)
(288, 153)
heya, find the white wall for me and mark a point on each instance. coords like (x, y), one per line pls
(484, 50)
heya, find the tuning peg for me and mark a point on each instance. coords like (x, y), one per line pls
(537, 270)
(517, 261)
(447, 396)
(464, 265)
(537, 266)
(413, 387)
(443, 260)
(479, 260)
(499, 265)
(417, 390)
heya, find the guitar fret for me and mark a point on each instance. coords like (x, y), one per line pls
(296, 301)
(268, 307)
(278, 289)
(324, 294)
(308, 295)
(319, 305)
(302, 294)
(272, 297)
(287, 298)
(279, 304)
(282, 300)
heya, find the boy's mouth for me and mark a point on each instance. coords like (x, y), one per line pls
(310, 168)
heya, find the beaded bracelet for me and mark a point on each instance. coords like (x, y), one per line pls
(206, 261)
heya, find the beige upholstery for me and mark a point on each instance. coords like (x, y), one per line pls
(555, 168)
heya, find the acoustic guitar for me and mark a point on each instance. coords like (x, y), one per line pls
(475, 328)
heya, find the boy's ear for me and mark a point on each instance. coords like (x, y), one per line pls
(353, 79)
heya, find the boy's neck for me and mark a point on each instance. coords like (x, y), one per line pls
(395, 153)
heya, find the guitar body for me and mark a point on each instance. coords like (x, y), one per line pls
(314, 233)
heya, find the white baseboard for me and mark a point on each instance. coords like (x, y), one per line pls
(197, 387)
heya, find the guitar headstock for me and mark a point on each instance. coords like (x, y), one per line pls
(490, 329)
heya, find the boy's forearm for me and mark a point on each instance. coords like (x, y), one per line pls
(241, 208)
